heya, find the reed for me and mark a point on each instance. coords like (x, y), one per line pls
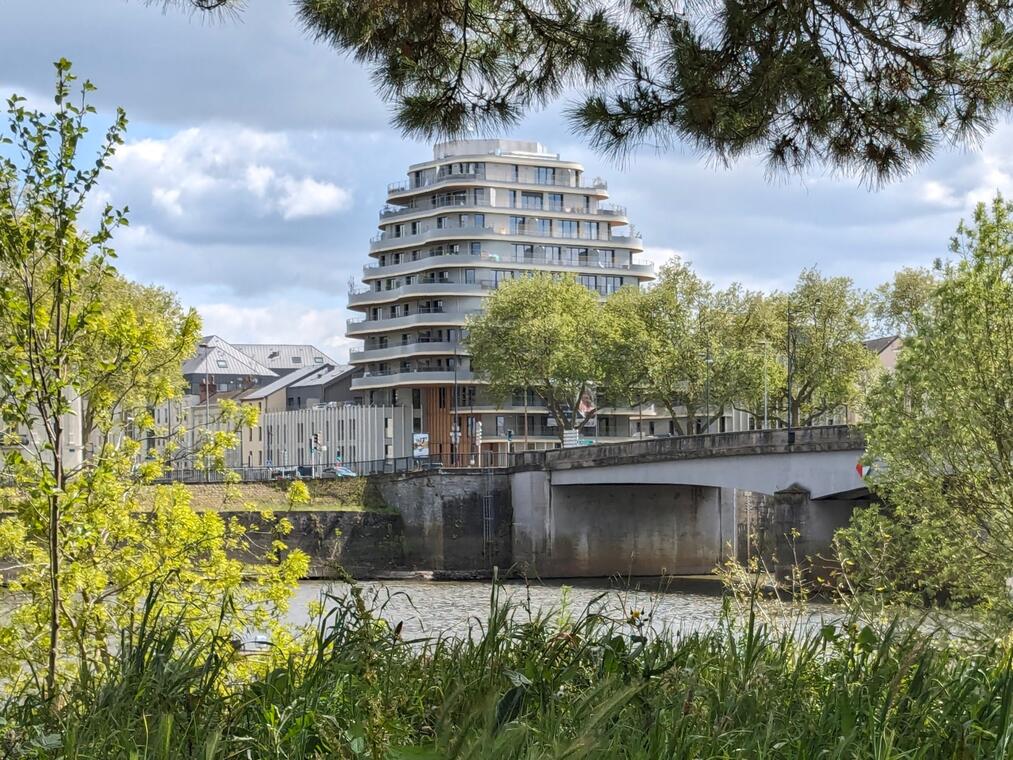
(592, 684)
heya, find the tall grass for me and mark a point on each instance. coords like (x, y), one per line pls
(588, 685)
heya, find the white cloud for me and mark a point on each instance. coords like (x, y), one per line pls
(222, 167)
(935, 192)
(280, 321)
(308, 197)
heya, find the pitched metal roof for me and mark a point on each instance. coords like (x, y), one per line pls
(263, 391)
(222, 358)
(324, 376)
(285, 356)
(879, 345)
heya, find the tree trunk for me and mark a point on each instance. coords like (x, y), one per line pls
(54, 558)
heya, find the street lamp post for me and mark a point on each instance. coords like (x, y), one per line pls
(455, 424)
(207, 402)
(791, 432)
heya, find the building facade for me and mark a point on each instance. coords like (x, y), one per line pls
(479, 213)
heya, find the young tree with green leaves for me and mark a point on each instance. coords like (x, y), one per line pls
(74, 336)
(865, 87)
(546, 334)
(939, 436)
(898, 303)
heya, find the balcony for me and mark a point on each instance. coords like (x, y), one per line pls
(387, 378)
(364, 326)
(484, 259)
(404, 350)
(613, 211)
(434, 288)
(402, 187)
(386, 241)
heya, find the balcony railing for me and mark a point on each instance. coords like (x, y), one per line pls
(592, 260)
(611, 210)
(402, 186)
(524, 230)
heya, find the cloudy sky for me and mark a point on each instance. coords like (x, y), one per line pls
(257, 161)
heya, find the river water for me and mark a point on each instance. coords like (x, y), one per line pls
(428, 608)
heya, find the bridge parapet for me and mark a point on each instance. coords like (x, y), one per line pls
(807, 440)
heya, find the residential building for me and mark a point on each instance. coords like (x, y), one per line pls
(343, 433)
(886, 350)
(479, 213)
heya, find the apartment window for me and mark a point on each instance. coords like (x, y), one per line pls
(516, 173)
(381, 342)
(479, 220)
(415, 228)
(512, 198)
(297, 360)
(441, 397)
(469, 276)
(516, 224)
(441, 222)
(543, 226)
(395, 258)
(500, 425)
(588, 281)
(567, 228)
(545, 175)
(591, 230)
(552, 253)
(524, 252)
(475, 248)
(501, 275)
(555, 201)
(415, 255)
(531, 200)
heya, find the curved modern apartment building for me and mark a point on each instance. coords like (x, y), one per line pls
(478, 213)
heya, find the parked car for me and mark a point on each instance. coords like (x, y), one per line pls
(305, 470)
(337, 472)
(285, 473)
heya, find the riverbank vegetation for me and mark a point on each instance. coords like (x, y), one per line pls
(593, 683)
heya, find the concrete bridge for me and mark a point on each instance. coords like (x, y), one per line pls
(683, 505)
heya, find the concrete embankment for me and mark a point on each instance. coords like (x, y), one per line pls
(382, 526)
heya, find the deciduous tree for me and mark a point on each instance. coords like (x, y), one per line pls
(547, 334)
(940, 435)
(85, 548)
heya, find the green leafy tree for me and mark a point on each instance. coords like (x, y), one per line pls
(816, 330)
(671, 342)
(546, 334)
(75, 336)
(869, 87)
(939, 435)
(898, 303)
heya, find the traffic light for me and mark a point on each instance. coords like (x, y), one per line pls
(315, 442)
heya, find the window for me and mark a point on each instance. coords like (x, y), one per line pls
(524, 252)
(222, 363)
(297, 360)
(531, 200)
(567, 228)
(469, 276)
(479, 220)
(441, 222)
(591, 230)
(441, 397)
(475, 248)
(500, 425)
(543, 226)
(516, 224)
(545, 175)
(516, 173)
(318, 360)
(555, 201)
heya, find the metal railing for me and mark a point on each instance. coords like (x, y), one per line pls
(590, 261)
(610, 209)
